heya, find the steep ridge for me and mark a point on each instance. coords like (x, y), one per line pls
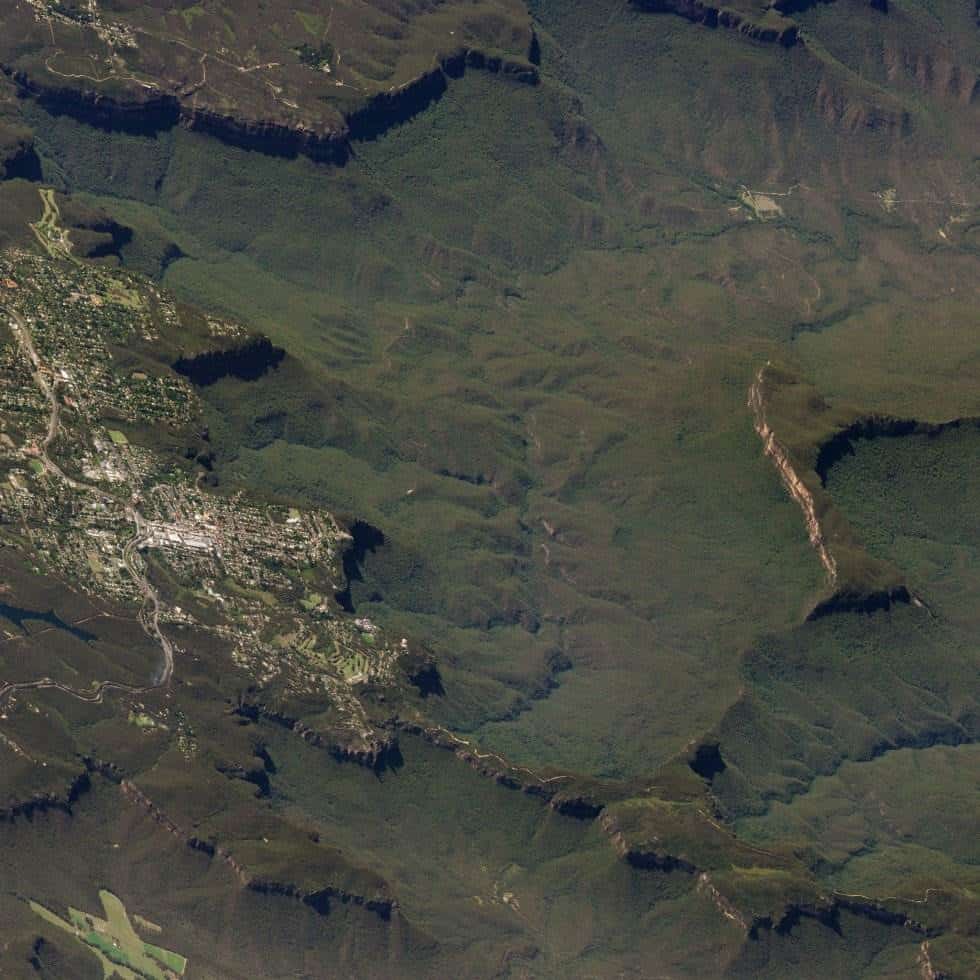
(769, 889)
(636, 852)
(147, 113)
(672, 824)
(803, 434)
(134, 112)
(804, 437)
(377, 750)
(261, 874)
(279, 93)
(247, 361)
(772, 28)
(62, 799)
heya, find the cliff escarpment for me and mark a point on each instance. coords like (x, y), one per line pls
(388, 109)
(61, 799)
(803, 435)
(147, 111)
(841, 444)
(314, 83)
(759, 890)
(296, 867)
(769, 28)
(18, 158)
(572, 795)
(371, 747)
(247, 361)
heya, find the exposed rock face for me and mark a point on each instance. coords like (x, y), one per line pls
(707, 887)
(19, 161)
(820, 435)
(267, 136)
(794, 484)
(96, 235)
(277, 91)
(365, 538)
(563, 793)
(43, 802)
(320, 899)
(641, 857)
(144, 112)
(165, 112)
(880, 426)
(857, 601)
(317, 899)
(804, 900)
(707, 761)
(149, 111)
(426, 679)
(247, 362)
(401, 104)
(377, 751)
(783, 31)
(18, 158)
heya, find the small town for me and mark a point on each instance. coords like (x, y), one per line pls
(134, 524)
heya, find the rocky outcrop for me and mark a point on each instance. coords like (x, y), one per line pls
(845, 601)
(841, 444)
(18, 158)
(773, 30)
(926, 967)
(792, 480)
(365, 538)
(731, 882)
(41, 803)
(877, 911)
(135, 795)
(566, 794)
(318, 899)
(707, 761)
(789, 7)
(148, 111)
(378, 751)
(804, 436)
(707, 888)
(402, 103)
(268, 136)
(257, 775)
(424, 676)
(95, 234)
(144, 112)
(246, 362)
(645, 857)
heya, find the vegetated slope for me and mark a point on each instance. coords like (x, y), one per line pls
(526, 361)
(283, 77)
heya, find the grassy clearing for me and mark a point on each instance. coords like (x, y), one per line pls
(115, 943)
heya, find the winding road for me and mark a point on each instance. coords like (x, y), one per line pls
(149, 615)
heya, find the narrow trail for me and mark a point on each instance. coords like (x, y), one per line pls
(149, 615)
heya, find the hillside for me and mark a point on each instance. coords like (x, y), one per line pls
(623, 356)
